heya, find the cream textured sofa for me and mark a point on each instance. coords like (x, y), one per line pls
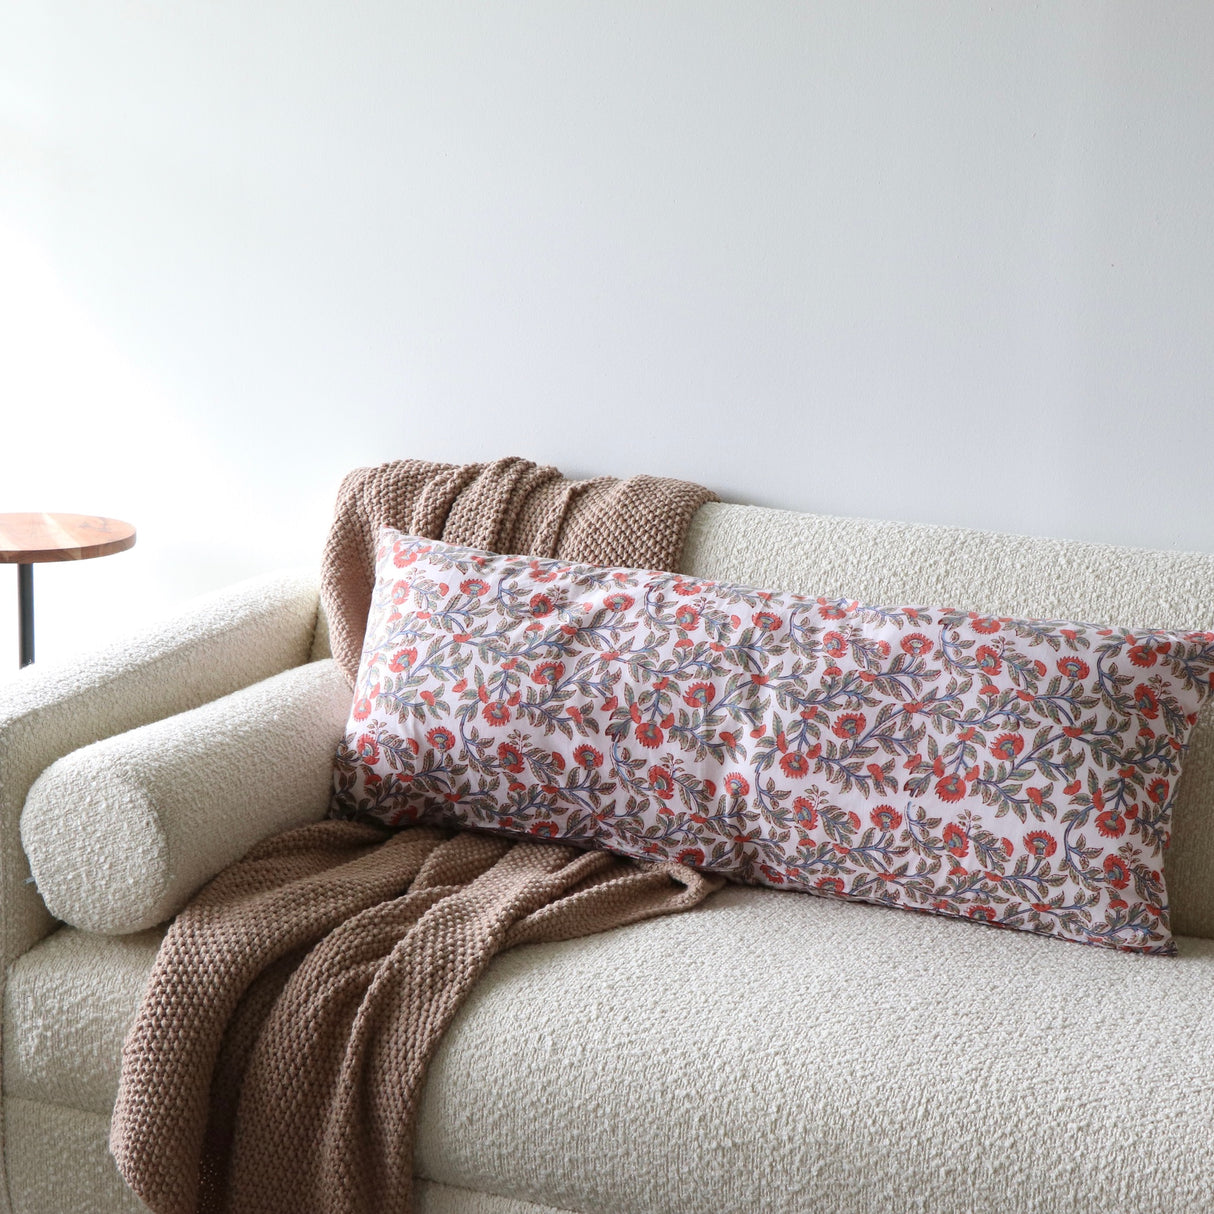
(766, 1052)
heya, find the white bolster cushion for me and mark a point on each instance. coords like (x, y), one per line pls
(121, 833)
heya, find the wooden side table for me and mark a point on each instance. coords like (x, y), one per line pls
(30, 539)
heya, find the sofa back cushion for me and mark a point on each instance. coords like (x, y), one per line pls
(995, 574)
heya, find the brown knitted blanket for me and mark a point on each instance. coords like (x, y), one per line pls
(277, 1059)
(510, 506)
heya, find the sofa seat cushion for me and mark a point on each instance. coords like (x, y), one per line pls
(767, 1051)
(778, 1052)
(59, 1161)
(67, 1006)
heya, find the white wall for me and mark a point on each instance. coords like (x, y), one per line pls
(938, 261)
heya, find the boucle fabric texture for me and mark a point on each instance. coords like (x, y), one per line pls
(999, 575)
(795, 1055)
(434, 1198)
(67, 1006)
(119, 834)
(1018, 772)
(509, 505)
(792, 1054)
(281, 1044)
(217, 645)
(60, 1164)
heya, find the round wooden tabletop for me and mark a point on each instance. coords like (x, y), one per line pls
(29, 539)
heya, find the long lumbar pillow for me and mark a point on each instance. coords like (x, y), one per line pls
(1015, 772)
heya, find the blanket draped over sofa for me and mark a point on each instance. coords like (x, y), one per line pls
(278, 1056)
(511, 506)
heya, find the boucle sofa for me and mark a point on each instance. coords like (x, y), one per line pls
(767, 1051)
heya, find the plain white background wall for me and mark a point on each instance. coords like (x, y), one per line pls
(950, 262)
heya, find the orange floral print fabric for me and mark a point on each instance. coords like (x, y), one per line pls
(1015, 772)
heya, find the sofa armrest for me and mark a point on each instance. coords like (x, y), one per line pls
(121, 833)
(221, 643)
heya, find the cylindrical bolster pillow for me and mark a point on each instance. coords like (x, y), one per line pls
(121, 833)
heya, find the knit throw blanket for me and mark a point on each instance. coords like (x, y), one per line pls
(511, 506)
(276, 1061)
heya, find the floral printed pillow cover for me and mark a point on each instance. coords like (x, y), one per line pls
(1016, 772)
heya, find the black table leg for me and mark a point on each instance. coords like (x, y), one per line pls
(25, 601)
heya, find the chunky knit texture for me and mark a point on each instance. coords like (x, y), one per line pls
(511, 506)
(277, 1058)
(278, 1054)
